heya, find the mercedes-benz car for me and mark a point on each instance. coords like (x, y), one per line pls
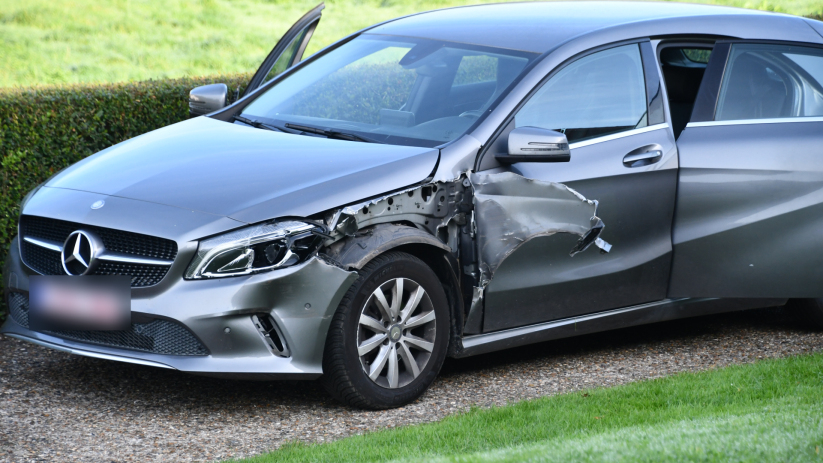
(443, 184)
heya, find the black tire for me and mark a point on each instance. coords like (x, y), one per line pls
(811, 310)
(344, 375)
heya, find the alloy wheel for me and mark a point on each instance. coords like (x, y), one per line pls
(396, 333)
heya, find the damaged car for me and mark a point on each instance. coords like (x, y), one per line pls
(445, 184)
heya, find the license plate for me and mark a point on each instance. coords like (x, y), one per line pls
(86, 303)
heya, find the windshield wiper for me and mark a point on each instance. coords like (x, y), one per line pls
(330, 133)
(298, 129)
(262, 125)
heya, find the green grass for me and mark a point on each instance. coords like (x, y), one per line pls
(768, 411)
(68, 41)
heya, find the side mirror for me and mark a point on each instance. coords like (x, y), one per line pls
(533, 144)
(208, 98)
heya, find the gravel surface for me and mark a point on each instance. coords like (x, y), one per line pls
(58, 407)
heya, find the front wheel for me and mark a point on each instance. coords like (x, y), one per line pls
(389, 336)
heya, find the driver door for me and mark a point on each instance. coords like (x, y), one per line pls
(608, 105)
(288, 51)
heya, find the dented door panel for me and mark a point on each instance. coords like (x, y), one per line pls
(749, 211)
(540, 281)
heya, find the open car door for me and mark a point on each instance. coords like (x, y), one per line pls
(750, 190)
(288, 51)
(285, 54)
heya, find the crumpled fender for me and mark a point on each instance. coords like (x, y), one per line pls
(356, 251)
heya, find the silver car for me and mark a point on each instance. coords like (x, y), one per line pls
(444, 184)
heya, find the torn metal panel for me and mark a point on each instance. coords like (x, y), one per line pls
(478, 220)
(474, 321)
(432, 207)
(512, 209)
(355, 208)
(593, 235)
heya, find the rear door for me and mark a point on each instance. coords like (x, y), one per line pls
(288, 51)
(749, 215)
(608, 104)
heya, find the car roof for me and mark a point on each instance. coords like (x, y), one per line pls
(541, 26)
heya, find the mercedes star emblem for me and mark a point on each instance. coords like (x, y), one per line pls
(78, 253)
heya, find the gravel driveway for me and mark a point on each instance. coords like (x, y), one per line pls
(58, 407)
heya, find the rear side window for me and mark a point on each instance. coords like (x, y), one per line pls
(771, 81)
(599, 94)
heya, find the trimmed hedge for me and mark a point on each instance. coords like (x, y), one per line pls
(45, 129)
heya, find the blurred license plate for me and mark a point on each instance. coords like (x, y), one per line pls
(92, 302)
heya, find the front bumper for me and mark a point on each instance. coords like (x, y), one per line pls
(301, 300)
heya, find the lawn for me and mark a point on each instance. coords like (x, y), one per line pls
(63, 41)
(768, 411)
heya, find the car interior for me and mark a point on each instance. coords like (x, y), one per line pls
(683, 68)
(451, 89)
(757, 89)
(418, 92)
(766, 82)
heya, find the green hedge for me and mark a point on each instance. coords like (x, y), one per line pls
(45, 129)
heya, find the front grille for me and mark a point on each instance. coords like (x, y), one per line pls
(42, 260)
(141, 274)
(157, 337)
(47, 262)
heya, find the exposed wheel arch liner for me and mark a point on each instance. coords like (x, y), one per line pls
(354, 252)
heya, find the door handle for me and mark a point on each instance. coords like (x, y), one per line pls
(642, 159)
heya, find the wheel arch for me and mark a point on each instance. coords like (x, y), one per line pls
(354, 252)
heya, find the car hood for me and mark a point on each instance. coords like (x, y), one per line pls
(244, 173)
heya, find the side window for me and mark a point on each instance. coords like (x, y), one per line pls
(286, 59)
(599, 94)
(771, 81)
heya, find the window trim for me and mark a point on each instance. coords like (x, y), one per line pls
(655, 111)
(501, 129)
(781, 120)
(705, 105)
(618, 135)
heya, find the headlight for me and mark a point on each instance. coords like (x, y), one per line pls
(254, 249)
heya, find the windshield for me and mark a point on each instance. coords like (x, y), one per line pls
(403, 91)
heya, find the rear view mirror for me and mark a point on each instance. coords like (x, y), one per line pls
(208, 98)
(533, 144)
